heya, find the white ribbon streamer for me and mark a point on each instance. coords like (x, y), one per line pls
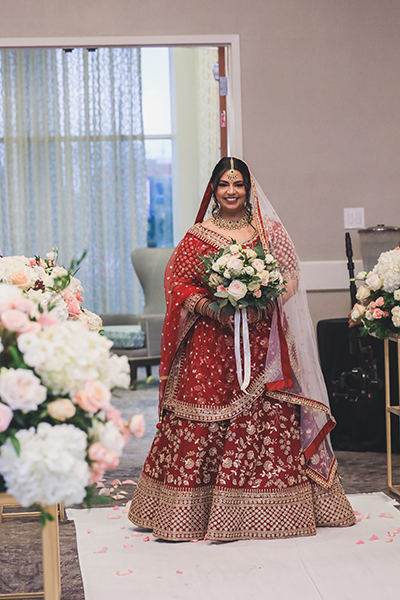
(241, 320)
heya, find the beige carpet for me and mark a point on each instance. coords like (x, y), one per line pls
(121, 561)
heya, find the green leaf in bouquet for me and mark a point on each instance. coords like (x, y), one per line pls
(259, 250)
(221, 294)
(215, 306)
(244, 302)
(232, 301)
(16, 444)
(226, 250)
(223, 303)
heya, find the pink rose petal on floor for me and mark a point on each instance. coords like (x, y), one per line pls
(194, 541)
(367, 516)
(179, 572)
(389, 540)
(136, 534)
(396, 531)
(357, 512)
(373, 538)
(359, 520)
(146, 539)
(104, 492)
(115, 507)
(128, 545)
(125, 510)
(127, 572)
(102, 480)
(360, 542)
(101, 550)
(113, 516)
(129, 482)
(89, 531)
(123, 527)
(390, 534)
(116, 482)
(127, 537)
(386, 515)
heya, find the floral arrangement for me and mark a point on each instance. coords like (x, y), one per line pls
(378, 310)
(242, 277)
(58, 429)
(50, 284)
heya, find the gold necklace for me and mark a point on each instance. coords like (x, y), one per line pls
(229, 224)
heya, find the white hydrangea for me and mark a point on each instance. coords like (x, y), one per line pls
(111, 437)
(51, 467)
(90, 319)
(396, 316)
(44, 299)
(388, 269)
(396, 295)
(66, 356)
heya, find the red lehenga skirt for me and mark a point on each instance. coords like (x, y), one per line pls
(236, 479)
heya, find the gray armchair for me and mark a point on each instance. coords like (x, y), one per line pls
(149, 264)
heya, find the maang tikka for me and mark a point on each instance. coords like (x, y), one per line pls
(231, 175)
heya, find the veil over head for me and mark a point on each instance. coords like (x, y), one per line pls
(292, 371)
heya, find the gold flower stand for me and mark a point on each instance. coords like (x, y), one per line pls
(391, 409)
(50, 550)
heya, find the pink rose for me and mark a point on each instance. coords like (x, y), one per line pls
(97, 451)
(47, 321)
(379, 301)
(385, 313)
(257, 293)
(33, 327)
(115, 416)
(21, 389)
(23, 304)
(221, 288)
(94, 397)
(377, 313)
(110, 460)
(15, 320)
(74, 310)
(19, 279)
(6, 415)
(237, 289)
(79, 296)
(137, 426)
(126, 434)
(372, 305)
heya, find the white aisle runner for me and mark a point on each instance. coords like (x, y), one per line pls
(118, 563)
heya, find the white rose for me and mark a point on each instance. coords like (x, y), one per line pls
(235, 264)
(250, 253)
(51, 256)
(61, 409)
(234, 249)
(222, 260)
(273, 276)
(227, 275)
(112, 439)
(361, 275)
(258, 264)
(21, 389)
(269, 259)
(362, 293)
(249, 270)
(369, 316)
(396, 316)
(237, 289)
(373, 282)
(396, 294)
(357, 311)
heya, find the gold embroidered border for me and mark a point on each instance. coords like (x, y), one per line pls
(175, 514)
(325, 483)
(331, 507)
(215, 239)
(295, 399)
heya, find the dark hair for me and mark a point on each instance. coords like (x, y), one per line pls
(224, 165)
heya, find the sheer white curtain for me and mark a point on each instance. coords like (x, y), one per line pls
(72, 164)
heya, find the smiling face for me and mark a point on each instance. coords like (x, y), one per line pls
(231, 195)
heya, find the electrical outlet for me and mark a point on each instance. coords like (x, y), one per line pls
(354, 218)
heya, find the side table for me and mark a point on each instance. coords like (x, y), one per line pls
(50, 552)
(391, 409)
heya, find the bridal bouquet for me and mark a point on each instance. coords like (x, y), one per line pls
(242, 277)
(51, 285)
(378, 310)
(58, 429)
